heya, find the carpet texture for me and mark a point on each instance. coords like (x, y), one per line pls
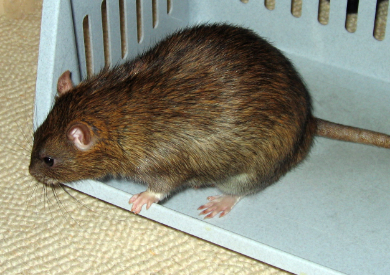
(79, 235)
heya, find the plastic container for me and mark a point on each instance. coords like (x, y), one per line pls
(328, 216)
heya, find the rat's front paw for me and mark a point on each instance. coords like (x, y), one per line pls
(217, 204)
(147, 198)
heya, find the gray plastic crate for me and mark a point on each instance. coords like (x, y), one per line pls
(328, 216)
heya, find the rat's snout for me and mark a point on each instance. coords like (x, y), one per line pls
(40, 176)
(36, 171)
(33, 170)
(30, 170)
(31, 167)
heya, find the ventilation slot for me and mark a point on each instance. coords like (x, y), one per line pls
(269, 4)
(169, 6)
(323, 11)
(87, 46)
(155, 13)
(296, 8)
(122, 26)
(382, 8)
(106, 37)
(352, 15)
(139, 20)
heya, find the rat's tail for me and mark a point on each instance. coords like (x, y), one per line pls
(352, 134)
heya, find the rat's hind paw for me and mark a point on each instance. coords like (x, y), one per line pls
(222, 203)
(147, 198)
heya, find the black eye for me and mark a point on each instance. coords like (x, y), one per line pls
(49, 161)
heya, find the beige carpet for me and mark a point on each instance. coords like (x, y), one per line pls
(39, 236)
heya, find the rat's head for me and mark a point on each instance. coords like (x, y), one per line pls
(68, 146)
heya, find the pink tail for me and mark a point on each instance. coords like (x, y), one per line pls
(352, 134)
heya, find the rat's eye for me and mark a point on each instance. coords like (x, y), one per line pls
(49, 161)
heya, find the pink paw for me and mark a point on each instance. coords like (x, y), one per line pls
(143, 198)
(217, 204)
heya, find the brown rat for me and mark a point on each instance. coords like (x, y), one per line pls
(211, 104)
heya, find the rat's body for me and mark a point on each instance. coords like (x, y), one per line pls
(209, 105)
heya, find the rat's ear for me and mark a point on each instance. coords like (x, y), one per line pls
(64, 83)
(81, 136)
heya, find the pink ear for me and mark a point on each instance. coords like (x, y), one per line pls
(64, 83)
(81, 136)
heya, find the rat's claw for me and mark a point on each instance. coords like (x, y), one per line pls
(218, 204)
(143, 198)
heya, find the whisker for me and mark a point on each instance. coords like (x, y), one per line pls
(44, 194)
(61, 205)
(76, 199)
(48, 202)
(32, 194)
(25, 151)
(23, 132)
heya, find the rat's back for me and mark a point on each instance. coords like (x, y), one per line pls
(215, 101)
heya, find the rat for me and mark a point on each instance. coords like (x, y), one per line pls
(212, 104)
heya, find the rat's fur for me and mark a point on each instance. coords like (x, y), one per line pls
(213, 104)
